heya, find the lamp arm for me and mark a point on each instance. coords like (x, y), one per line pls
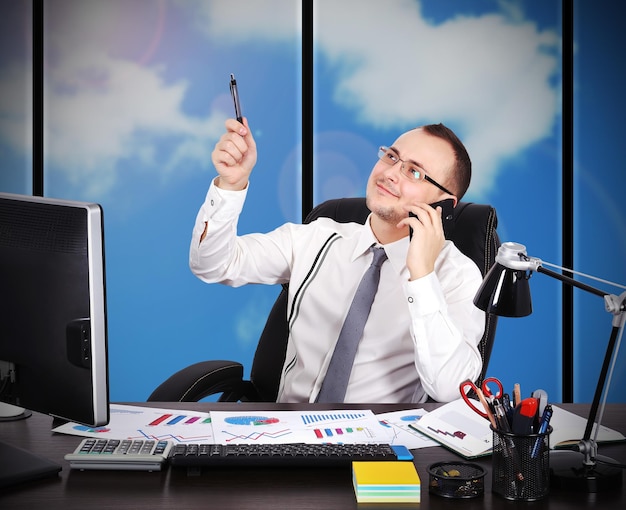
(616, 306)
(514, 256)
(571, 281)
(595, 403)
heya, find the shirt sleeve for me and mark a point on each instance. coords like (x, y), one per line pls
(446, 326)
(221, 256)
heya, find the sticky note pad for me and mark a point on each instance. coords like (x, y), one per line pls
(385, 481)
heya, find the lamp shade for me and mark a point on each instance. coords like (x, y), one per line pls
(505, 292)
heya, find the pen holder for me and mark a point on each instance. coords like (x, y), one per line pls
(521, 465)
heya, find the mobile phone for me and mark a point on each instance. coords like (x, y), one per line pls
(447, 207)
(235, 93)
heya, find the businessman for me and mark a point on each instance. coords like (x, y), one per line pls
(421, 335)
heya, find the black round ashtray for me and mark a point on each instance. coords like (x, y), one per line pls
(456, 479)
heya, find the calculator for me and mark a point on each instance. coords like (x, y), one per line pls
(120, 454)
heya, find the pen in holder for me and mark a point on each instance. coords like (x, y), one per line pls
(521, 465)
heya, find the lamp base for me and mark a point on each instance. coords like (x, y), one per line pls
(568, 472)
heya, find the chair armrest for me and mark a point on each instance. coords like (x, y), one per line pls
(200, 380)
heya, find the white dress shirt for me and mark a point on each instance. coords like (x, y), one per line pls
(421, 336)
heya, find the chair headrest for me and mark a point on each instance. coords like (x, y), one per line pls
(472, 228)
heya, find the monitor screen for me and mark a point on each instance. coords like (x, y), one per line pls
(53, 330)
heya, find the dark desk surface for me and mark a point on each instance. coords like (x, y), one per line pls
(254, 489)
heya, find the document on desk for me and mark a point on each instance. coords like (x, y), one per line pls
(137, 422)
(568, 428)
(275, 427)
(458, 428)
(402, 422)
(224, 427)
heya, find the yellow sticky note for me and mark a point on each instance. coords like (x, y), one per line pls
(385, 481)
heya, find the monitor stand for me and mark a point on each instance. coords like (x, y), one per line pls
(9, 412)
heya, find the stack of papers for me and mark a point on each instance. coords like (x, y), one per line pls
(453, 425)
(359, 426)
(386, 482)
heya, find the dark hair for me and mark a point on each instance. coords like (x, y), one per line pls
(461, 174)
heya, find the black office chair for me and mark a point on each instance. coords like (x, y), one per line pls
(473, 231)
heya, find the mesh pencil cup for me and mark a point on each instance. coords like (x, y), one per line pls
(521, 465)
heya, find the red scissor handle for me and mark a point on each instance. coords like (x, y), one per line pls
(464, 388)
(487, 392)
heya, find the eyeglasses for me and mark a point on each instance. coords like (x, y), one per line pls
(408, 169)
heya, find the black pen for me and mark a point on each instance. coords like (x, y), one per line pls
(235, 93)
(508, 408)
(500, 415)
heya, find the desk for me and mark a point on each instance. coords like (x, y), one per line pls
(254, 489)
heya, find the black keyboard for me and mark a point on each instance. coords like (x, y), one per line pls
(291, 454)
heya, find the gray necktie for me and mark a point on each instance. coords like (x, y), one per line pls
(336, 380)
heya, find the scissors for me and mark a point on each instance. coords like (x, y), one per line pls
(483, 394)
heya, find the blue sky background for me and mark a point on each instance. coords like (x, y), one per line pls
(137, 93)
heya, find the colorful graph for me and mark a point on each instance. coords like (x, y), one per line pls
(411, 417)
(458, 433)
(135, 422)
(84, 428)
(309, 419)
(177, 438)
(336, 426)
(251, 420)
(332, 432)
(171, 419)
(255, 436)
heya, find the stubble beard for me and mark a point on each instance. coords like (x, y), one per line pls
(386, 213)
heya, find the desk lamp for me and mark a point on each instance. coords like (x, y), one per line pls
(505, 292)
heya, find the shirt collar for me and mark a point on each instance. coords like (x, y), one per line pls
(396, 251)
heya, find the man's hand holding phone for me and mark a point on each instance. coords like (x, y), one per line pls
(427, 236)
(447, 207)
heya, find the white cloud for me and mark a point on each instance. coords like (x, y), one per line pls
(246, 20)
(491, 75)
(103, 108)
(100, 110)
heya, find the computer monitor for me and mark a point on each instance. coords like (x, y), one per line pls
(53, 328)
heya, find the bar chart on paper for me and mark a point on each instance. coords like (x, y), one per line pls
(326, 416)
(135, 422)
(324, 425)
(296, 427)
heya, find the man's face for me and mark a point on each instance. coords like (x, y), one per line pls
(388, 190)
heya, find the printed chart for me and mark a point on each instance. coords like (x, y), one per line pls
(402, 422)
(269, 427)
(295, 427)
(135, 422)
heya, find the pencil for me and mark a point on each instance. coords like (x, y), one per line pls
(483, 401)
(517, 394)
